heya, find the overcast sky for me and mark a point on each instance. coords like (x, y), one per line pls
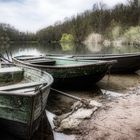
(32, 15)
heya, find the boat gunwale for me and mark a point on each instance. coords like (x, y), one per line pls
(106, 57)
(100, 62)
(94, 55)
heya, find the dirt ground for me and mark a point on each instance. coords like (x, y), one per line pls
(120, 118)
(120, 83)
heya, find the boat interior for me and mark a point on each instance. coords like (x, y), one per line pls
(18, 79)
(55, 61)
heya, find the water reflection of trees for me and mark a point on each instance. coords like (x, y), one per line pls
(112, 49)
(67, 46)
(55, 48)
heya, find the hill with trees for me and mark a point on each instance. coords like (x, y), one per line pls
(121, 21)
(111, 23)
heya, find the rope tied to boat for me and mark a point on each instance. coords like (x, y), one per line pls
(82, 104)
(80, 110)
(85, 102)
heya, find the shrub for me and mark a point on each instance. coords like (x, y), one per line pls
(133, 34)
(67, 38)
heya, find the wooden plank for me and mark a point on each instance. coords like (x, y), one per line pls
(42, 61)
(20, 86)
(25, 90)
(29, 57)
(10, 70)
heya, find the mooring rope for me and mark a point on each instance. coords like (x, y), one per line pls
(66, 94)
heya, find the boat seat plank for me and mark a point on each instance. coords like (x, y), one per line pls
(25, 90)
(20, 86)
(42, 61)
(10, 70)
(30, 57)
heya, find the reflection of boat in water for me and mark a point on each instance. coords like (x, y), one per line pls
(68, 71)
(126, 63)
(23, 96)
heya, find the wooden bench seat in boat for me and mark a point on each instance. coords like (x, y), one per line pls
(42, 61)
(20, 86)
(8, 74)
(30, 57)
(10, 70)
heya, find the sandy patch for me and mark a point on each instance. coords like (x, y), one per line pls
(119, 120)
(120, 83)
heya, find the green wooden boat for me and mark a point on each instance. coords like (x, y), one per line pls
(68, 71)
(126, 62)
(23, 97)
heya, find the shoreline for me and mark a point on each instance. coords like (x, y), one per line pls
(119, 116)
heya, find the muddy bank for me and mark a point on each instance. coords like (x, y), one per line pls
(119, 120)
(120, 83)
(59, 104)
(80, 111)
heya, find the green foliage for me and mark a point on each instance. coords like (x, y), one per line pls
(133, 34)
(116, 32)
(67, 38)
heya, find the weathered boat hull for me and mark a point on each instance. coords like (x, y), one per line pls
(21, 112)
(78, 76)
(126, 63)
(74, 75)
(18, 129)
(23, 120)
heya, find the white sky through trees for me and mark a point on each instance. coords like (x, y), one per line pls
(32, 15)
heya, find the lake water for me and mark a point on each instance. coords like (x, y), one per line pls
(66, 48)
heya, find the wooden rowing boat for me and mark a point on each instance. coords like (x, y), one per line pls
(66, 71)
(23, 97)
(126, 63)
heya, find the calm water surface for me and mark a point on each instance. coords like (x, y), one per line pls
(69, 48)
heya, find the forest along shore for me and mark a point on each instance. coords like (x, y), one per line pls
(113, 116)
